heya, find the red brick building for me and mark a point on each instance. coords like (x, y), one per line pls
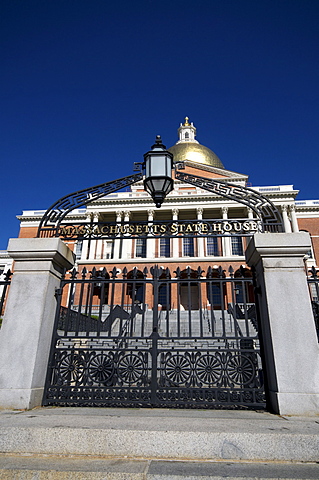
(185, 202)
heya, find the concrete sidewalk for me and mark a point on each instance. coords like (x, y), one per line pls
(79, 468)
(114, 443)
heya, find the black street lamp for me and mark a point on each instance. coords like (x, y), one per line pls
(158, 164)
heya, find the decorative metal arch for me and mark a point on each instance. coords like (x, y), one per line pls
(54, 215)
(261, 205)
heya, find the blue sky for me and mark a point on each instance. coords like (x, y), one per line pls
(87, 84)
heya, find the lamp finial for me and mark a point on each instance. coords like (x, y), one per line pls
(158, 143)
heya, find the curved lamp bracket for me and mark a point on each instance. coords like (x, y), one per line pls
(262, 206)
(54, 215)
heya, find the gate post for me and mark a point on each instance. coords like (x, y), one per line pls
(26, 333)
(288, 332)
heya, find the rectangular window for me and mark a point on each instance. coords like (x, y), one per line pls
(78, 250)
(188, 247)
(140, 247)
(212, 246)
(237, 246)
(108, 246)
(165, 250)
(213, 294)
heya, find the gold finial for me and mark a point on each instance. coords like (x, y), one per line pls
(186, 124)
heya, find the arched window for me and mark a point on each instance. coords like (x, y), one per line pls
(164, 293)
(244, 290)
(189, 290)
(186, 135)
(135, 290)
(216, 289)
(101, 289)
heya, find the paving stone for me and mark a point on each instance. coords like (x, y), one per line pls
(73, 468)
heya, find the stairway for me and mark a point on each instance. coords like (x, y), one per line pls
(156, 444)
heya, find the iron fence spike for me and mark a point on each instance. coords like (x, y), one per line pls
(84, 272)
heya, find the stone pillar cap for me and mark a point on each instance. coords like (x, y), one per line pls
(277, 245)
(41, 249)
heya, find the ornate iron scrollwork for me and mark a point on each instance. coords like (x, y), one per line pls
(262, 206)
(58, 211)
(112, 350)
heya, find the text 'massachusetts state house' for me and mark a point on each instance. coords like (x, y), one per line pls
(133, 214)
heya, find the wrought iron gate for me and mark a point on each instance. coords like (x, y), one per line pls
(313, 284)
(186, 339)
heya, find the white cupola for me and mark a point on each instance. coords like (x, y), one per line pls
(187, 132)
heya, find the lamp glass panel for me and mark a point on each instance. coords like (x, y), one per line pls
(147, 167)
(166, 186)
(158, 184)
(148, 186)
(158, 165)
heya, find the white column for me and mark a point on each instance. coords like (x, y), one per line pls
(27, 329)
(98, 252)
(287, 226)
(127, 242)
(117, 241)
(92, 249)
(200, 240)
(175, 239)
(85, 249)
(287, 325)
(250, 213)
(226, 241)
(94, 217)
(293, 216)
(150, 241)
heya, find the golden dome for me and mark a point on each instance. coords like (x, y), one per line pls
(195, 152)
(187, 148)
